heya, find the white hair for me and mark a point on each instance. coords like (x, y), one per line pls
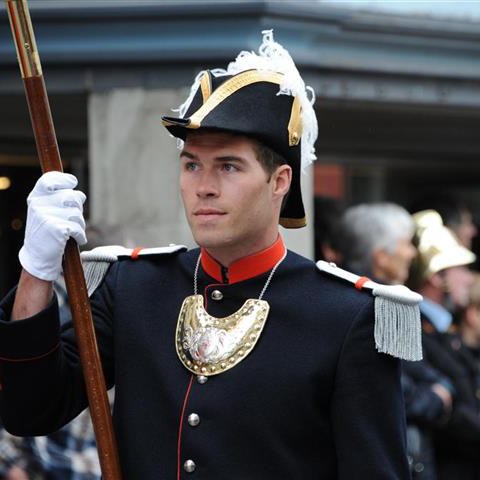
(366, 228)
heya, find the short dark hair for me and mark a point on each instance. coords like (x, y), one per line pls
(269, 159)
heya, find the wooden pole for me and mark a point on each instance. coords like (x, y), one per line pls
(49, 156)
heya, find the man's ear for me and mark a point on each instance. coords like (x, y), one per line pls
(282, 178)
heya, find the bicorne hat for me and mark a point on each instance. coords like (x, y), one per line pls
(261, 96)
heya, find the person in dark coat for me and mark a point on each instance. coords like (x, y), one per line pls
(428, 401)
(238, 359)
(458, 445)
(439, 273)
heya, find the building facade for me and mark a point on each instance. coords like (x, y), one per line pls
(398, 104)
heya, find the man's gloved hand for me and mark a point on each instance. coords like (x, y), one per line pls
(55, 213)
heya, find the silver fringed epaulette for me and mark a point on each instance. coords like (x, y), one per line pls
(97, 261)
(398, 330)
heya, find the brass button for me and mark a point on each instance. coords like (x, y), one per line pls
(189, 466)
(193, 419)
(217, 295)
(202, 379)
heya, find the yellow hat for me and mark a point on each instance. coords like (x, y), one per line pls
(438, 248)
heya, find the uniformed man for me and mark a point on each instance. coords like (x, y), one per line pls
(239, 360)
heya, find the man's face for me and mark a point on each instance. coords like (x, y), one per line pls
(229, 200)
(393, 267)
(458, 281)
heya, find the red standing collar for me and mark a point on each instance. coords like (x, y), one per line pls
(247, 267)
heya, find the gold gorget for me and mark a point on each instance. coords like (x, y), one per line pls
(208, 345)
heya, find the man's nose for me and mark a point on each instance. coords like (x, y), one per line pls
(208, 185)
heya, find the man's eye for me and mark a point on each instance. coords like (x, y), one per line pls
(229, 167)
(191, 166)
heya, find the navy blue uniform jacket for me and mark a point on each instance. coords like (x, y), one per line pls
(313, 400)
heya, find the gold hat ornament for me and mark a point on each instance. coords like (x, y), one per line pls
(438, 248)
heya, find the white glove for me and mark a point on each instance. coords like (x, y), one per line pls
(55, 213)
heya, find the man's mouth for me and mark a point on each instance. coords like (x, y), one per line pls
(208, 212)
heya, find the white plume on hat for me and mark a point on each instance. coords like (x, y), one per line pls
(273, 57)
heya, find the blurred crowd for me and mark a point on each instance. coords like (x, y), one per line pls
(430, 251)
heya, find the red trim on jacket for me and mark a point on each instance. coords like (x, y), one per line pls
(135, 252)
(30, 359)
(180, 428)
(247, 267)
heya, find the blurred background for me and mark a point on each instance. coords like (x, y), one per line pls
(397, 98)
